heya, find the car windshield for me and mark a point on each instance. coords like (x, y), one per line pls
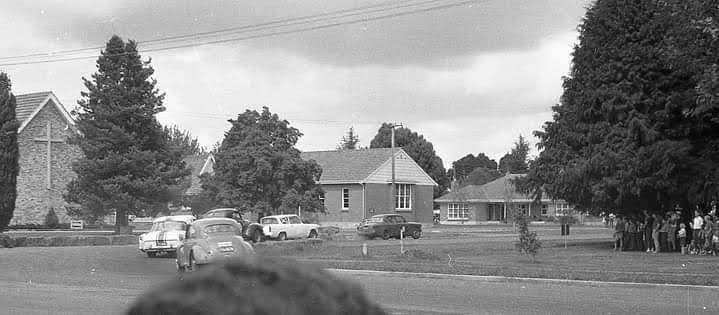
(375, 219)
(168, 226)
(220, 229)
(219, 214)
(269, 221)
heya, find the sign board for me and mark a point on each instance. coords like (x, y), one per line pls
(76, 224)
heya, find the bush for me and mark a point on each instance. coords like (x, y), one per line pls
(528, 243)
(51, 219)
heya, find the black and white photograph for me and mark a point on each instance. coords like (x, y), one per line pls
(359, 157)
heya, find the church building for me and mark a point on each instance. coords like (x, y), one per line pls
(45, 157)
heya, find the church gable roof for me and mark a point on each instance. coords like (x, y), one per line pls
(29, 105)
(200, 164)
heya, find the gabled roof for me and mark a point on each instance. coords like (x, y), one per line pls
(498, 190)
(29, 105)
(349, 166)
(200, 164)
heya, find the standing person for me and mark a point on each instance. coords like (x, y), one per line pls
(672, 232)
(648, 225)
(619, 228)
(663, 234)
(655, 231)
(682, 234)
(708, 233)
(630, 234)
(639, 239)
(696, 226)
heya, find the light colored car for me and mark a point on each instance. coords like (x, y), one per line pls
(286, 226)
(165, 235)
(211, 240)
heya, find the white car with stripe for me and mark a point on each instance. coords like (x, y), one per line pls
(166, 234)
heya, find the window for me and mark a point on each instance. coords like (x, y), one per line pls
(457, 211)
(495, 212)
(563, 209)
(403, 196)
(295, 220)
(524, 208)
(322, 198)
(345, 198)
(544, 209)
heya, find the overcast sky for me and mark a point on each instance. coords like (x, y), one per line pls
(470, 78)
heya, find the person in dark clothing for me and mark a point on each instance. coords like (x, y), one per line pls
(648, 224)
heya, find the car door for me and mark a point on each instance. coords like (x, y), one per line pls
(390, 225)
(285, 226)
(298, 229)
(401, 223)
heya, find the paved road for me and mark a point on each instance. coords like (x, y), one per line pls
(105, 279)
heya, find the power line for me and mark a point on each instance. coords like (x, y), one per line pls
(239, 28)
(219, 41)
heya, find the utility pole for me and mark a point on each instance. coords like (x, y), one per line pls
(393, 199)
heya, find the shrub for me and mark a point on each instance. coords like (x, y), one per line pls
(528, 243)
(51, 220)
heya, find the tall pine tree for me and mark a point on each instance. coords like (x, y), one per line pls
(8, 152)
(350, 141)
(129, 166)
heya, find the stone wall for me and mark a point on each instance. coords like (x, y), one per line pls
(34, 198)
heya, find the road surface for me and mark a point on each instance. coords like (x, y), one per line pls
(106, 279)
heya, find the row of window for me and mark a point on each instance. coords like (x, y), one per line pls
(402, 200)
(495, 211)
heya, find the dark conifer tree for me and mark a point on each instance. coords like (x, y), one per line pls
(8, 152)
(129, 166)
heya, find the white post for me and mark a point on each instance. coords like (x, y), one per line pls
(364, 249)
(401, 241)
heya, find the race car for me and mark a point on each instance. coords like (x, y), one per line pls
(165, 236)
(211, 240)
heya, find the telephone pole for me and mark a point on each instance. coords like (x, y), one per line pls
(393, 198)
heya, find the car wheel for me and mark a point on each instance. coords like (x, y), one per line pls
(151, 254)
(385, 235)
(313, 234)
(282, 236)
(416, 234)
(256, 236)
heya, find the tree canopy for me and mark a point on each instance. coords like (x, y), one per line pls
(183, 141)
(421, 151)
(515, 161)
(259, 169)
(349, 141)
(636, 126)
(463, 167)
(9, 155)
(129, 165)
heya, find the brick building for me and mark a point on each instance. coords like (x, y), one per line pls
(496, 202)
(357, 185)
(45, 157)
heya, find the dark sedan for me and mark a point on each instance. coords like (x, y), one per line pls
(388, 225)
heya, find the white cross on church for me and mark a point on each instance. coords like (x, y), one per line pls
(49, 140)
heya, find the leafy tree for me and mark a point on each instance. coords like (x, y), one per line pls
(129, 165)
(515, 161)
(259, 169)
(184, 141)
(9, 167)
(464, 166)
(421, 151)
(481, 176)
(350, 141)
(636, 126)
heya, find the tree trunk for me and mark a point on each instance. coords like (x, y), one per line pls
(121, 223)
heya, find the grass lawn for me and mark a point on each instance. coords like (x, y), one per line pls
(588, 256)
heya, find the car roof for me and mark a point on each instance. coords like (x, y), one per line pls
(277, 216)
(209, 221)
(386, 215)
(181, 218)
(221, 210)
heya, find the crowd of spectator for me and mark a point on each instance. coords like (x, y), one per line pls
(667, 232)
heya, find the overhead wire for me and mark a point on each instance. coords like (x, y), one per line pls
(283, 32)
